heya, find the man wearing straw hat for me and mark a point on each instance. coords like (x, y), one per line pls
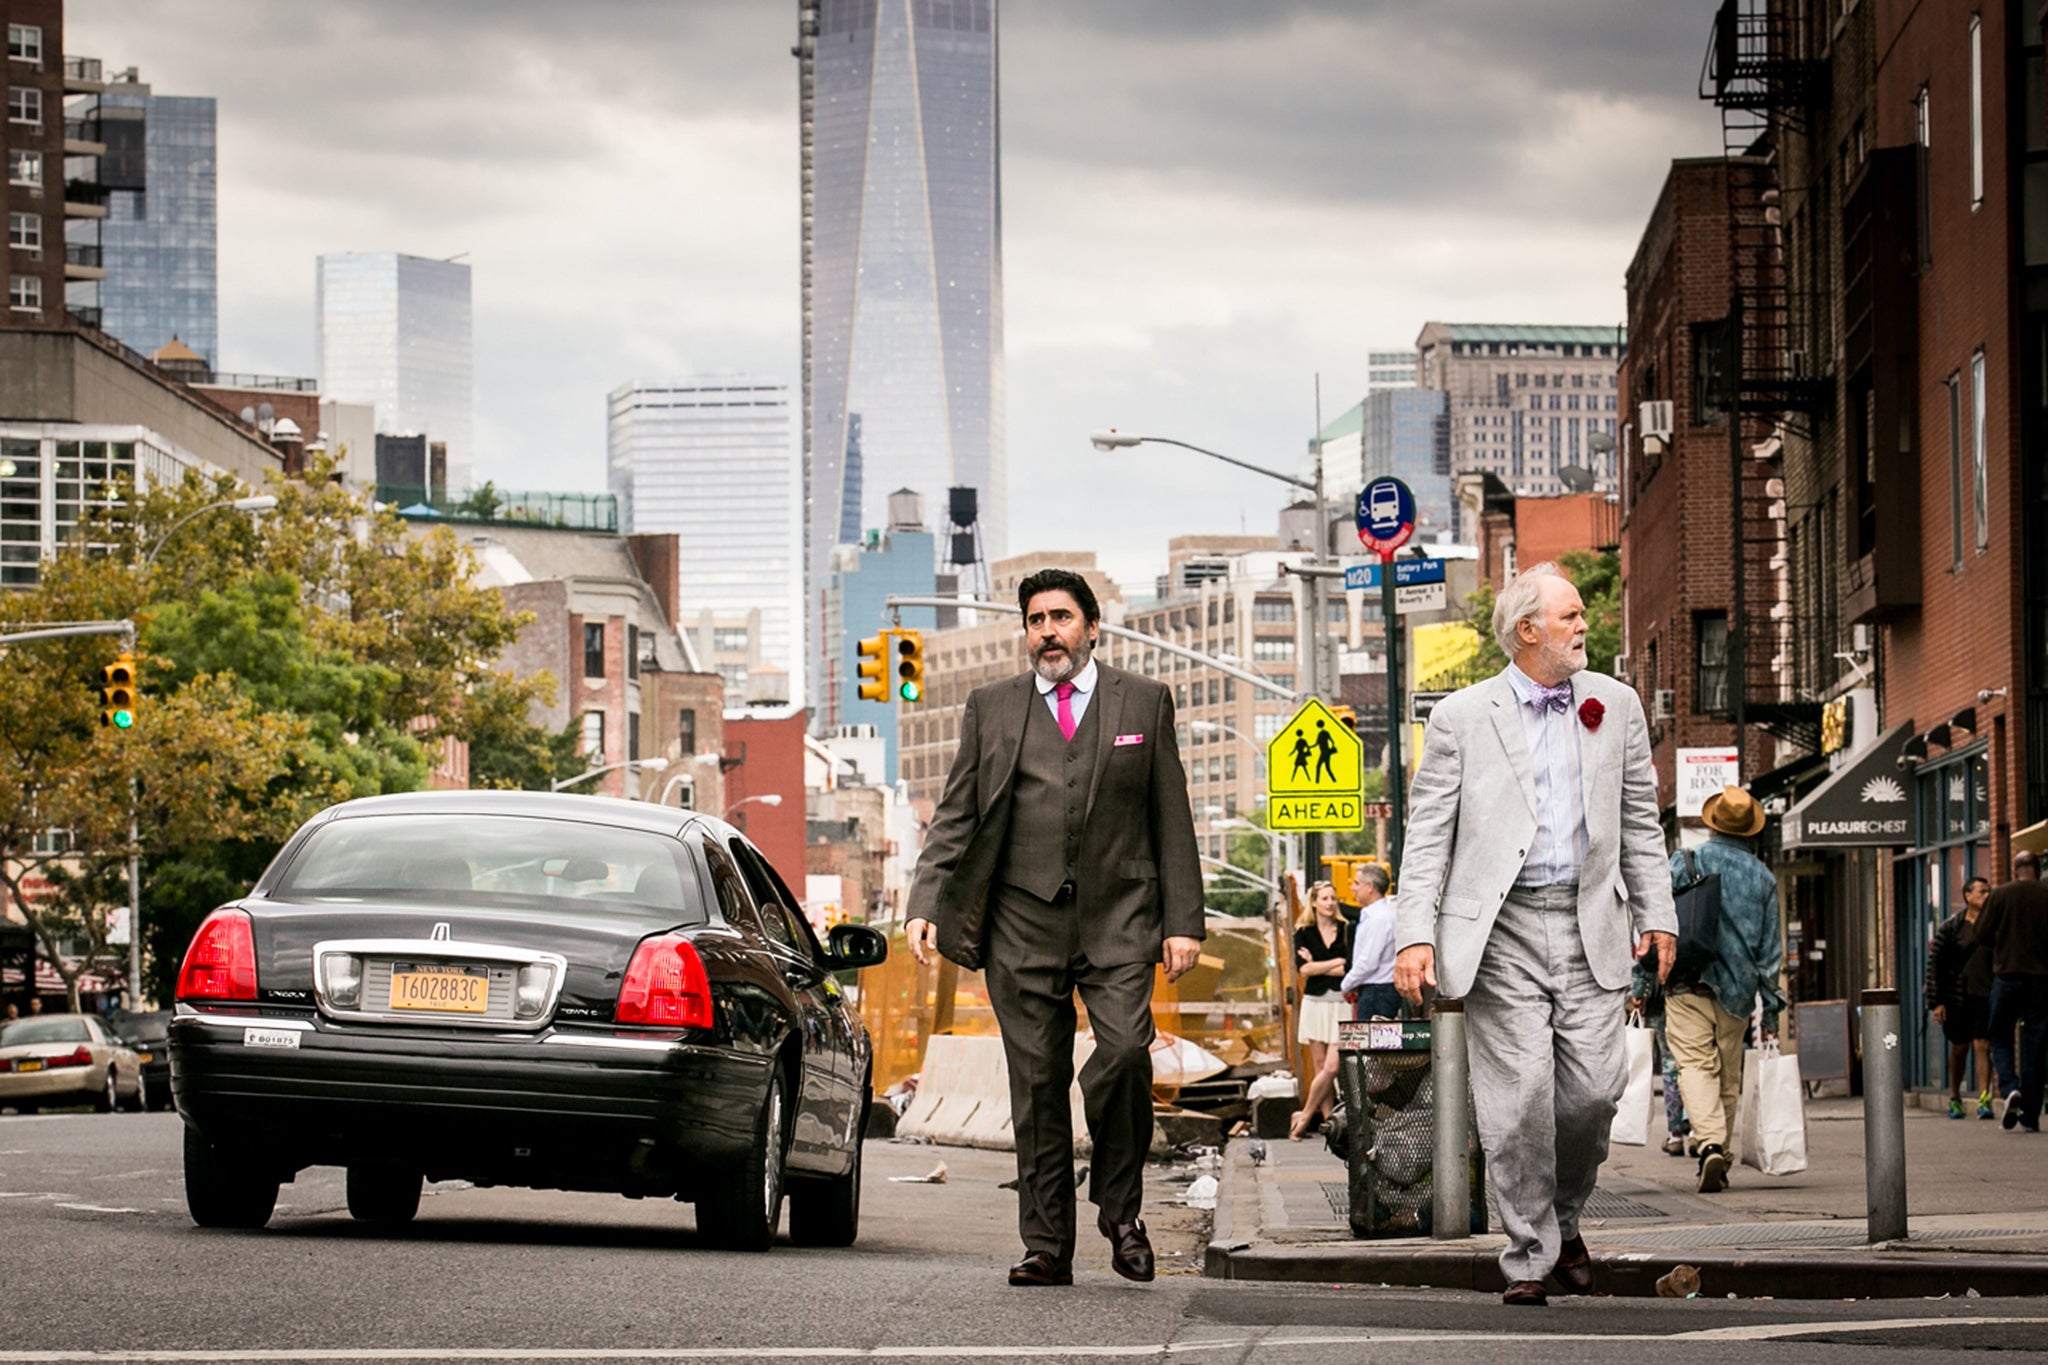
(1707, 1009)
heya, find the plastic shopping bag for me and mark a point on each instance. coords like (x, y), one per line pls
(1772, 1118)
(1632, 1116)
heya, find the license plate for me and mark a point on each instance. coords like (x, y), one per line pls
(28, 1065)
(145, 1056)
(444, 989)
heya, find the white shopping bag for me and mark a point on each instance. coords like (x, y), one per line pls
(1631, 1125)
(1771, 1123)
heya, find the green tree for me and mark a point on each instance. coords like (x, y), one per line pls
(506, 750)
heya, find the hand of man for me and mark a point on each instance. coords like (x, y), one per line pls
(1181, 954)
(1941, 1014)
(1666, 946)
(1414, 968)
(923, 937)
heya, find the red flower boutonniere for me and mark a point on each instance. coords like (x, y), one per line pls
(1591, 712)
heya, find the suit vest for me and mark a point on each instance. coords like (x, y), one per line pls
(1049, 799)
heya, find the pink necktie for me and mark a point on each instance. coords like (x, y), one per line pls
(1065, 692)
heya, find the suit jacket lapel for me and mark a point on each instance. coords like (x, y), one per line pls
(1109, 702)
(1019, 698)
(1507, 723)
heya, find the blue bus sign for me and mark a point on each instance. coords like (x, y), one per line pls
(1386, 516)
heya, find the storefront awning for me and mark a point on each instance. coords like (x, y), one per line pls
(1866, 804)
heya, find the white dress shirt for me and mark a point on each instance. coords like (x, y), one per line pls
(1559, 848)
(1372, 949)
(1084, 688)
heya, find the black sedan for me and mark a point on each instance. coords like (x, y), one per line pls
(148, 1032)
(511, 988)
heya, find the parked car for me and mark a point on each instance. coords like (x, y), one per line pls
(54, 1060)
(149, 1033)
(525, 989)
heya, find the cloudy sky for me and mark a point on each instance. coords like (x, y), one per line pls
(1208, 203)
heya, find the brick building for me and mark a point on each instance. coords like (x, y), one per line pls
(764, 757)
(42, 198)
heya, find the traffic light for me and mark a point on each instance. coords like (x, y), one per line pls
(117, 692)
(909, 665)
(874, 668)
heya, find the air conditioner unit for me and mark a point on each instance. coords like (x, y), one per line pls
(1656, 418)
(1621, 667)
(1859, 638)
(1663, 704)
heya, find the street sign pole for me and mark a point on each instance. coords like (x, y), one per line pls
(1397, 795)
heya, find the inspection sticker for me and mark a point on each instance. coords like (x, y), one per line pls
(270, 1037)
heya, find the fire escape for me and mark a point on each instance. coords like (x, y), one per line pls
(1756, 77)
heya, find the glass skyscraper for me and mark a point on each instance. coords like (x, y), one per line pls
(902, 265)
(394, 331)
(159, 242)
(1405, 434)
(713, 460)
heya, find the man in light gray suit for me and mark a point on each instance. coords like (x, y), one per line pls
(1533, 875)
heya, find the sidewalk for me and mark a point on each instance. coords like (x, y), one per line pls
(1977, 1208)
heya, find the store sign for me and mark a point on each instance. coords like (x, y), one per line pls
(1701, 774)
(1837, 726)
(1866, 804)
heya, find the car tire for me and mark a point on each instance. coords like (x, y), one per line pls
(383, 1194)
(741, 1212)
(141, 1104)
(106, 1100)
(826, 1213)
(224, 1189)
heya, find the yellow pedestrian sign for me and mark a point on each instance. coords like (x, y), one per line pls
(1315, 773)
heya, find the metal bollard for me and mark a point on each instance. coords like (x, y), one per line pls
(1884, 1116)
(1450, 1178)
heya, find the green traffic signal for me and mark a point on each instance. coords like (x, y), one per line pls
(117, 692)
(123, 720)
(910, 691)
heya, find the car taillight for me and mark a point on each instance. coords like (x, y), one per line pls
(78, 1056)
(221, 963)
(666, 985)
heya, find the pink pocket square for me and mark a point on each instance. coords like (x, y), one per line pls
(1122, 740)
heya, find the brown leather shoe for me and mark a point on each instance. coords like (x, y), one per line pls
(1574, 1268)
(1041, 1267)
(1130, 1250)
(1526, 1294)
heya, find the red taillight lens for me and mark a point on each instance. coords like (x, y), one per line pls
(221, 963)
(79, 1056)
(666, 986)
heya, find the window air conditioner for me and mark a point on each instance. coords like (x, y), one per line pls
(1621, 667)
(1663, 703)
(1656, 419)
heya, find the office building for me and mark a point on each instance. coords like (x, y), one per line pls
(1391, 369)
(394, 331)
(712, 460)
(159, 241)
(1405, 433)
(42, 199)
(902, 266)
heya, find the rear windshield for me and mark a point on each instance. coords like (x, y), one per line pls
(513, 861)
(69, 1029)
(150, 1027)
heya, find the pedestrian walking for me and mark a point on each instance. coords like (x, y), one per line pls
(2014, 929)
(1708, 1002)
(1534, 874)
(1370, 981)
(1062, 859)
(1322, 950)
(1958, 995)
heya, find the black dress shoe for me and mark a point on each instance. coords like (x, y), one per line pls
(1574, 1268)
(1041, 1267)
(1526, 1294)
(1130, 1251)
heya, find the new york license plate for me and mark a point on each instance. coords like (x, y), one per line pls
(436, 986)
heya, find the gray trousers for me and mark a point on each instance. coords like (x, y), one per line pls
(1548, 1068)
(1035, 965)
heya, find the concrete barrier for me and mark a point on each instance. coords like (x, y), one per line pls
(963, 1095)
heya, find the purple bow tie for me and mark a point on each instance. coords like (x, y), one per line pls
(1558, 698)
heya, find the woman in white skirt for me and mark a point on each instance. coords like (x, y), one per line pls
(1322, 952)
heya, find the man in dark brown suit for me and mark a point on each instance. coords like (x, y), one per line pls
(1062, 857)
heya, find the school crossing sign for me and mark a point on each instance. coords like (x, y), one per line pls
(1315, 773)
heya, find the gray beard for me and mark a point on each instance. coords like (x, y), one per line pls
(1066, 666)
(1560, 663)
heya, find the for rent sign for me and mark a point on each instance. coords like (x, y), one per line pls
(1701, 773)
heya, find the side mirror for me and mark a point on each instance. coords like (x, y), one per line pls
(855, 945)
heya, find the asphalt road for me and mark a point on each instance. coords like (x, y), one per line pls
(99, 1262)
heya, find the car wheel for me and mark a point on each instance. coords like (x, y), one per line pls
(105, 1100)
(141, 1104)
(381, 1194)
(826, 1213)
(224, 1190)
(742, 1213)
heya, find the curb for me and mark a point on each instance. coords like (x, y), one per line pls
(1236, 1252)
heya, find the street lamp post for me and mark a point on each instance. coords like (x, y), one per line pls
(765, 799)
(261, 502)
(653, 765)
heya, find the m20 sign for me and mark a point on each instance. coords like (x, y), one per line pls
(1386, 516)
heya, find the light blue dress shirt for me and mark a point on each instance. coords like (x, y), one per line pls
(1372, 947)
(1084, 689)
(1559, 848)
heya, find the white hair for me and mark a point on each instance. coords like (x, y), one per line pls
(1521, 600)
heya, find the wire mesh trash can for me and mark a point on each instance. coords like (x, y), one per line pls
(1390, 1105)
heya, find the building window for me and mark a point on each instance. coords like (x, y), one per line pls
(1976, 111)
(25, 293)
(1709, 356)
(1272, 609)
(593, 649)
(729, 639)
(1923, 127)
(1266, 725)
(593, 736)
(1273, 651)
(1980, 475)
(25, 43)
(24, 168)
(25, 230)
(1230, 769)
(25, 105)
(686, 732)
(1710, 680)
(632, 734)
(632, 651)
(1230, 689)
(1955, 471)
